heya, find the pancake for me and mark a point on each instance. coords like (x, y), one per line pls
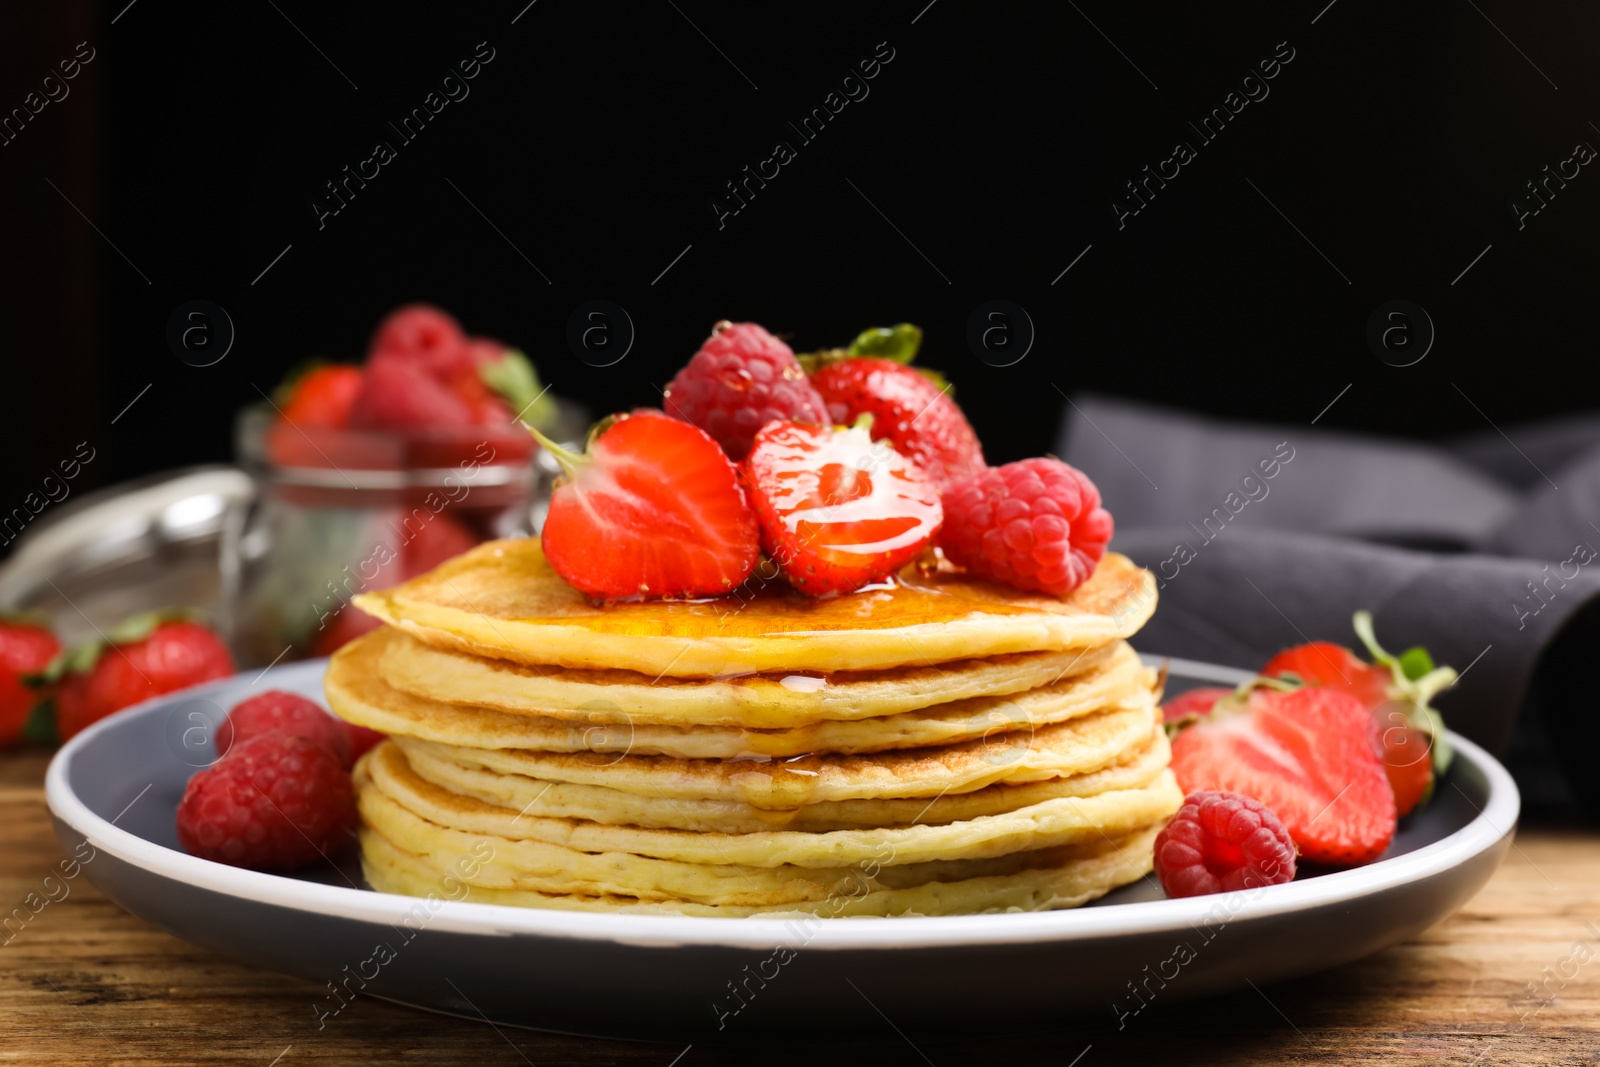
(531, 797)
(503, 600)
(1055, 751)
(1060, 878)
(357, 694)
(758, 701)
(527, 840)
(770, 867)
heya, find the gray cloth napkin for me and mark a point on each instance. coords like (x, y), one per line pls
(1267, 536)
(1157, 466)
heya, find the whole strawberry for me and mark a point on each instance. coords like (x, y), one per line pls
(146, 656)
(653, 509)
(289, 712)
(837, 509)
(1325, 663)
(26, 649)
(1407, 754)
(909, 410)
(323, 396)
(273, 803)
(1036, 524)
(741, 379)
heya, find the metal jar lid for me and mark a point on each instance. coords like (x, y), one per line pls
(149, 543)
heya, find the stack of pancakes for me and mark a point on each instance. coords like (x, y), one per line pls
(931, 745)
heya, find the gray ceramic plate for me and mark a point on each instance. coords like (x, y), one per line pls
(678, 978)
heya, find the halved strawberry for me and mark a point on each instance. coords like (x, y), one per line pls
(909, 410)
(1307, 755)
(653, 509)
(1408, 735)
(837, 509)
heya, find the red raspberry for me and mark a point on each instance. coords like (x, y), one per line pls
(1036, 524)
(1222, 842)
(741, 379)
(289, 712)
(361, 739)
(274, 803)
(400, 395)
(424, 336)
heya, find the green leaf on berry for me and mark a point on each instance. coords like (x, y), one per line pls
(140, 626)
(1415, 662)
(284, 392)
(1419, 689)
(80, 659)
(899, 342)
(811, 362)
(513, 377)
(40, 726)
(1443, 754)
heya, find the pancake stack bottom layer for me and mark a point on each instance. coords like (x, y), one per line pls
(935, 746)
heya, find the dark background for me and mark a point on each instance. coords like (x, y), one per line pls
(995, 141)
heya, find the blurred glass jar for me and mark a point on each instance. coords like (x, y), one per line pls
(336, 513)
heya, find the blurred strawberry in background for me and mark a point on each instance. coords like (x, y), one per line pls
(26, 649)
(322, 396)
(424, 378)
(145, 656)
(370, 475)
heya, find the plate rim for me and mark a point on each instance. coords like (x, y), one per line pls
(1495, 821)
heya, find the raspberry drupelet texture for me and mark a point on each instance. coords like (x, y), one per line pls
(289, 712)
(741, 379)
(273, 803)
(1221, 842)
(1035, 524)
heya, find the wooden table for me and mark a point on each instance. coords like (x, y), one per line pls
(87, 983)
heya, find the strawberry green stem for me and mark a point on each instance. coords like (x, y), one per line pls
(571, 462)
(863, 422)
(1419, 691)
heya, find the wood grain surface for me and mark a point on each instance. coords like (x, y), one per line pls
(1513, 978)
